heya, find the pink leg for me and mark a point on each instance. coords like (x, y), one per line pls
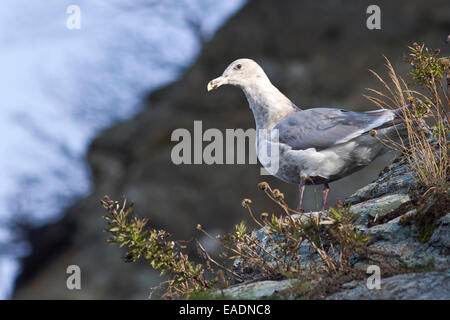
(326, 189)
(301, 188)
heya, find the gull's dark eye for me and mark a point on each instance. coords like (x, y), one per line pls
(238, 66)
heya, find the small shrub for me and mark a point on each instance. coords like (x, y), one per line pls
(153, 245)
(429, 157)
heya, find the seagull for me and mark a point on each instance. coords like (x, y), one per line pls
(315, 146)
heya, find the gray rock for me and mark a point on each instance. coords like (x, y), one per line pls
(441, 235)
(350, 285)
(379, 207)
(395, 179)
(258, 290)
(412, 286)
(400, 243)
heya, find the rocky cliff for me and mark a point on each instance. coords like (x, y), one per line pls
(384, 208)
(316, 52)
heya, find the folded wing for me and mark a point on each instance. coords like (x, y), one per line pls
(322, 128)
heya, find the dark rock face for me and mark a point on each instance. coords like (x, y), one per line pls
(316, 52)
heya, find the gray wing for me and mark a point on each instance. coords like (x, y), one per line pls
(321, 128)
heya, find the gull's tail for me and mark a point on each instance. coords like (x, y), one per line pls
(404, 120)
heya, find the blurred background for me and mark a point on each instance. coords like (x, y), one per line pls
(90, 111)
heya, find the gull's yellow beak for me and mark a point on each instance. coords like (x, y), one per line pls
(211, 86)
(215, 83)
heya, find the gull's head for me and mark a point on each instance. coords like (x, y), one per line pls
(239, 73)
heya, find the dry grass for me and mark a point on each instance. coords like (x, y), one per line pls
(428, 156)
(185, 276)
